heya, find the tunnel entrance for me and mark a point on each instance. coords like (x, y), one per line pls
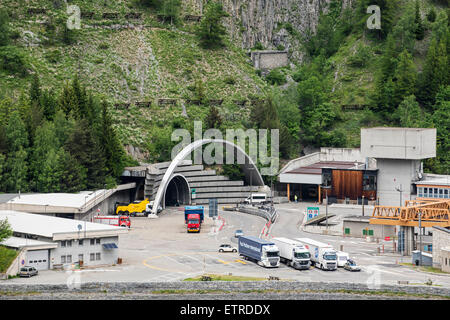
(177, 192)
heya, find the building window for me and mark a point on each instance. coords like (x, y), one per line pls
(80, 257)
(69, 259)
(446, 193)
(441, 193)
(347, 230)
(80, 243)
(425, 192)
(92, 257)
(69, 243)
(97, 256)
(420, 192)
(369, 182)
(92, 242)
(97, 241)
(63, 244)
(63, 259)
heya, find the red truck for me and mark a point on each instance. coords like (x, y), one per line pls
(193, 216)
(118, 221)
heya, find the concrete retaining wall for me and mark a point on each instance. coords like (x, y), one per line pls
(217, 285)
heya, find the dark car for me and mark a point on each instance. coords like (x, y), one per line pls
(28, 271)
(351, 265)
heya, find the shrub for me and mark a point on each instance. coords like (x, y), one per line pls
(276, 77)
(13, 61)
(258, 46)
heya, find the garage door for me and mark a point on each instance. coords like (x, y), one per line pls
(38, 259)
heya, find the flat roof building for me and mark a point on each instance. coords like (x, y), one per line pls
(51, 242)
(81, 206)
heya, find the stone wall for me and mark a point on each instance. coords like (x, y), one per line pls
(269, 59)
(232, 286)
(441, 239)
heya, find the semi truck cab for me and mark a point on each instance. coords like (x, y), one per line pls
(327, 259)
(270, 256)
(301, 258)
(193, 222)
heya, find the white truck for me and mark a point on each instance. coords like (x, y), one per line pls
(342, 258)
(256, 198)
(322, 255)
(293, 253)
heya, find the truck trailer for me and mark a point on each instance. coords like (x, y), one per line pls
(322, 255)
(193, 217)
(293, 253)
(263, 252)
(118, 221)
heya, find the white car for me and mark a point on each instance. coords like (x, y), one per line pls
(351, 265)
(227, 248)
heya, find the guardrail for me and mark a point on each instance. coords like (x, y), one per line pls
(267, 212)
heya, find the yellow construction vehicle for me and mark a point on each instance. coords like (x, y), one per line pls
(136, 208)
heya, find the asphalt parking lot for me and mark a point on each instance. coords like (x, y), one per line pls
(161, 250)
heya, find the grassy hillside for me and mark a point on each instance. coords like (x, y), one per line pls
(125, 64)
(126, 60)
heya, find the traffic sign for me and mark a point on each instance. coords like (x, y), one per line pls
(312, 212)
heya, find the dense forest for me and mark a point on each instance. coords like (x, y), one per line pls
(65, 136)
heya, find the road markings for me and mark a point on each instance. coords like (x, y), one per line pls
(240, 261)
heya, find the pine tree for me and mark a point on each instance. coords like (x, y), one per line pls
(85, 148)
(435, 72)
(16, 162)
(72, 175)
(45, 144)
(170, 9)
(113, 151)
(211, 30)
(213, 119)
(405, 78)
(35, 90)
(420, 29)
(408, 113)
(4, 28)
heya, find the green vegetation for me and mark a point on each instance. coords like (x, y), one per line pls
(211, 30)
(350, 77)
(58, 144)
(7, 256)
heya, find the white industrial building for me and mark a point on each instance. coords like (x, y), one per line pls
(80, 206)
(48, 242)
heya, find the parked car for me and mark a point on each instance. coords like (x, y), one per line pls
(351, 265)
(227, 248)
(238, 233)
(28, 271)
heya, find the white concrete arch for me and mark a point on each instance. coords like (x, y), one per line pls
(250, 169)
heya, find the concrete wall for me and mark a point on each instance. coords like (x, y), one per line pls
(379, 231)
(108, 257)
(441, 239)
(393, 173)
(269, 59)
(398, 143)
(106, 207)
(445, 266)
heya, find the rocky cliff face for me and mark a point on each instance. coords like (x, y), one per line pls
(269, 21)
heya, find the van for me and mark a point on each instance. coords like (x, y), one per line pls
(256, 198)
(342, 258)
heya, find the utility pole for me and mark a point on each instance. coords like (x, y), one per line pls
(363, 205)
(420, 237)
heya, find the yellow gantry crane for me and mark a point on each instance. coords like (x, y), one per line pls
(429, 212)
